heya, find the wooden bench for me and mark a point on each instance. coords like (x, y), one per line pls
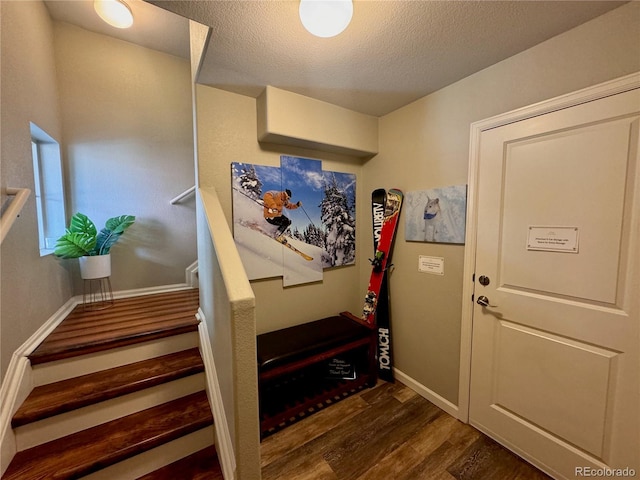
(305, 367)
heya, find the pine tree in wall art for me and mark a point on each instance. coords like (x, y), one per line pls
(249, 181)
(338, 218)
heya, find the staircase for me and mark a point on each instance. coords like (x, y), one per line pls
(120, 394)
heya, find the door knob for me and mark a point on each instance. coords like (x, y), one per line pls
(484, 301)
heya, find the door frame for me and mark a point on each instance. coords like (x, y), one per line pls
(606, 89)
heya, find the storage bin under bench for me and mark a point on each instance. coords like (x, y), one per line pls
(297, 367)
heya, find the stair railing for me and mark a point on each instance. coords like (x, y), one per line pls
(13, 209)
(184, 194)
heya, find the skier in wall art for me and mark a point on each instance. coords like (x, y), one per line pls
(274, 202)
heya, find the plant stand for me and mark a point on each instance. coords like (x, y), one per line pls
(97, 294)
(96, 274)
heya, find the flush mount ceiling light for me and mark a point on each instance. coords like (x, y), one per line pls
(115, 12)
(325, 18)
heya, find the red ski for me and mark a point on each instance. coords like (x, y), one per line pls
(383, 313)
(392, 207)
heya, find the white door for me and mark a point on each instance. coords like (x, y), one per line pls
(555, 355)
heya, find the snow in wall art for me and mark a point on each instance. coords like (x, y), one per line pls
(436, 215)
(293, 220)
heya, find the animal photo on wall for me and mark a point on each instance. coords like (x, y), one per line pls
(294, 220)
(436, 215)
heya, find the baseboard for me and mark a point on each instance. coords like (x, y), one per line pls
(191, 275)
(12, 395)
(136, 292)
(428, 394)
(18, 382)
(224, 444)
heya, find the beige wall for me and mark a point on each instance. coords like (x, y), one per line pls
(423, 145)
(123, 117)
(32, 287)
(128, 143)
(227, 132)
(426, 145)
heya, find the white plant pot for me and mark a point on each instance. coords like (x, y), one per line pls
(97, 266)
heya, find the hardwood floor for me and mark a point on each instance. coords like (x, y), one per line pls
(387, 433)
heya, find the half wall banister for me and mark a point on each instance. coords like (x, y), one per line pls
(227, 306)
(13, 209)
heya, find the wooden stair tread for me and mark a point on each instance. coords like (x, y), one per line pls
(98, 447)
(202, 465)
(129, 321)
(64, 396)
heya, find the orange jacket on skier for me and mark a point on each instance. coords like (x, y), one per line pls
(274, 202)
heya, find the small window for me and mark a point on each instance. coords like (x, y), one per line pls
(49, 190)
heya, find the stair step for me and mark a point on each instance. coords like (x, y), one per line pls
(98, 447)
(53, 399)
(129, 321)
(202, 465)
(67, 368)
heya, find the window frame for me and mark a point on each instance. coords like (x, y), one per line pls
(49, 192)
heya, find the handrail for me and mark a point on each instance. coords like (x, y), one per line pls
(13, 210)
(184, 194)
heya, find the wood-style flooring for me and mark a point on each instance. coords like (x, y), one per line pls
(387, 433)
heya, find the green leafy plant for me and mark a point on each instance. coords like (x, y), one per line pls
(83, 239)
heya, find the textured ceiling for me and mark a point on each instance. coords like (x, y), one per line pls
(392, 53)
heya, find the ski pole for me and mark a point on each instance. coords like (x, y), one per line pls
(305, 212)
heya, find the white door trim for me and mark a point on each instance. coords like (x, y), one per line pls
(589, 94)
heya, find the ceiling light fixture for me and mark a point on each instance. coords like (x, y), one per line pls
(115, 12)
(325, 18)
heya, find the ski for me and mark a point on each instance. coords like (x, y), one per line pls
(380, 260)
(382, 318)
(378, 199)
(281, 239)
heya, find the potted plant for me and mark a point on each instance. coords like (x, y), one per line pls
(83, 241)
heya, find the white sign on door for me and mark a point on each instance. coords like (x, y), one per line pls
(553, 239)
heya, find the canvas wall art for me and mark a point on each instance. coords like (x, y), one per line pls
(294, 220)
(436, 215)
